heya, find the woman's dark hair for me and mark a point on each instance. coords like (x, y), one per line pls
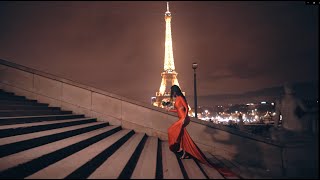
(178, 92)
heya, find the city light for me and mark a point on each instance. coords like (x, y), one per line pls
(230, 114)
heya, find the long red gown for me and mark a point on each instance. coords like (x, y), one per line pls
(178, 136)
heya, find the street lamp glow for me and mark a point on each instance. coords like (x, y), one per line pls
(194, 65)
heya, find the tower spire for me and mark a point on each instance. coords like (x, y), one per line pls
(168, 56)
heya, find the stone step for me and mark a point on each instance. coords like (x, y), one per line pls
(66, 166)
(26, 119)
(6, 93)
(219, 164)
(18, 129)
(147, 164)
(14, 144)
(170, 164)
(6, 100)
(26, 102)
(21, 105)
(37, 124)
(192, 170)
(36, 141)
(28, 110)
(11, 113)
(24, 107)
(10, 97)
(30, 136)
(211, 172)
(228, 164)
(25, 163)
(111, 170)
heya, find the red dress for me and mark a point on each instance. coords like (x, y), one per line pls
(178, 136)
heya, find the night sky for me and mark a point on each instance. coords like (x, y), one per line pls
(119, 46)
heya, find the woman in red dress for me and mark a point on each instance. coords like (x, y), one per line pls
(178, 136)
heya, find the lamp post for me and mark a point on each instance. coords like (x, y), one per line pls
(194, 66)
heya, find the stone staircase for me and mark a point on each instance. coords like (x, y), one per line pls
(40, 142)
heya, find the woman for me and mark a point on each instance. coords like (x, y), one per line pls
(178, 136)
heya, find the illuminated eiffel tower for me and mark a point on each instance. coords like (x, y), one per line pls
(169, 75)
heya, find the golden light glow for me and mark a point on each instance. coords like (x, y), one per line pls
(168, 56)
(175, 82)
(169, 75)
(162, 86)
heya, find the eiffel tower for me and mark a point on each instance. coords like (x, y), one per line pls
(169, 75)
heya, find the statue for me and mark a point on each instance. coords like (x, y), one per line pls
(290, 110)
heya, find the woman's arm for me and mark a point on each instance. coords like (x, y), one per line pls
(185, 107)
(169, 109)
(172, 110)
